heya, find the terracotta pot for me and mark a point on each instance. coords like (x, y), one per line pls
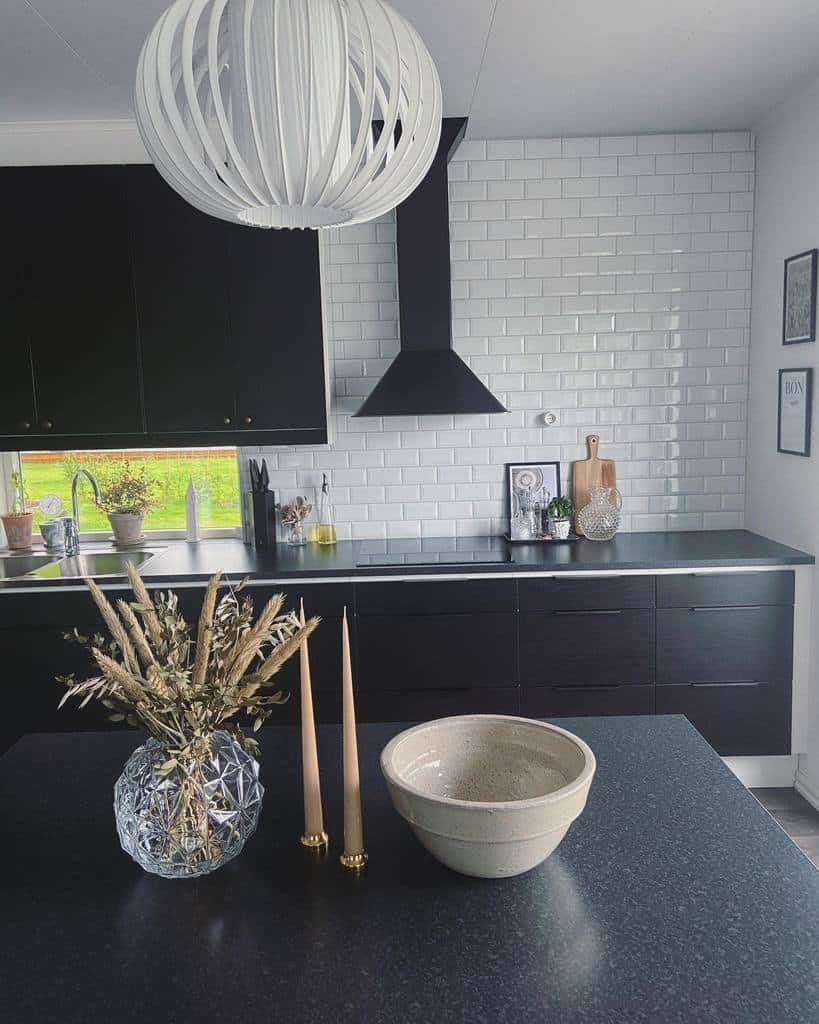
(127, 527)
(18, 527)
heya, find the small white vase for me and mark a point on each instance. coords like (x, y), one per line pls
(559, 528)
(127, 527)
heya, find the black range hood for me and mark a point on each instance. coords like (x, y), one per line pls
(427, 376)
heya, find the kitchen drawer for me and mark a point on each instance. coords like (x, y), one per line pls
(573, 592)
(451, 597)
(422, 706)
(724, 644)
(731, 588)
(435, 651)
(557, 701)
(736, 720)
(587, 647)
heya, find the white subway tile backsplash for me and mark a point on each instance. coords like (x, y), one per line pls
(606, 280)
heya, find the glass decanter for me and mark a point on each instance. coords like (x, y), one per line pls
(600, 519)
(327, 526)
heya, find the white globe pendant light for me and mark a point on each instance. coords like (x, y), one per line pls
(261, 111)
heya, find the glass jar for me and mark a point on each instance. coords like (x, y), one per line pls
(600, 519)
(327, 526)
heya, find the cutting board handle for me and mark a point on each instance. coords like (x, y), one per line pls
(593, 441)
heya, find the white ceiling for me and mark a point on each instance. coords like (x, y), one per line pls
(517, 67)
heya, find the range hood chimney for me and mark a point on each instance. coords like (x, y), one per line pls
(427, 376)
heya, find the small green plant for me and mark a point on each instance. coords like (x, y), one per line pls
(560, 508)
(129, 493)
(18, 504)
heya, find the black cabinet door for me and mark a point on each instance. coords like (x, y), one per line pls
(731, 645)
(587, 647)
(568, 592)
(180, 260)
(429, 652)
(696, 590)
(32, 659)
(82, 318)
(276, 329)
(737, 720)
(17, 409)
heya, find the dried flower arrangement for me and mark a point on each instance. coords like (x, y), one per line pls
(128, 493)
(295, 511)
(153, 674)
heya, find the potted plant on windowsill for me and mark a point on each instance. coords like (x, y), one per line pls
(18, 523)
(126, 498)
(560, 513)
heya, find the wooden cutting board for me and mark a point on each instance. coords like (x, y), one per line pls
(590, 472)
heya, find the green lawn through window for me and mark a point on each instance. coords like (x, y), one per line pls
(214, 471)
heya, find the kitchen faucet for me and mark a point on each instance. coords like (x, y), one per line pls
(72, 525)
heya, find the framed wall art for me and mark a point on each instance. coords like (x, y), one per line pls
(799, 299)
(531, 486)
(795, 401)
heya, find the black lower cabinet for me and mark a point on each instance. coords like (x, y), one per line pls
(736, 719)
(423, 705)
(577, 701)
(585, 648)
(431, 652)
(32, 659)
(724, 644)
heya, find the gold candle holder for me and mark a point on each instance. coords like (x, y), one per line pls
(317, 841)
(354, 861)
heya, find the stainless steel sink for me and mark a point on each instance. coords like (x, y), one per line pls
(93, 563)
(13, 567)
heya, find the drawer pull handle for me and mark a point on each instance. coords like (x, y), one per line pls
(738, 682)
(580, 688)
(435, 690)
(589, 611)
(724, 607)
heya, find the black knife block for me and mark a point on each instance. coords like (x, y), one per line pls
(263, 508)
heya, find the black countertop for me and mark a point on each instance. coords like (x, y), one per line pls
(674, 898)
(454, 556)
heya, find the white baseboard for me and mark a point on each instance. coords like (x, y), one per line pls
(808, 788)
(764, 772)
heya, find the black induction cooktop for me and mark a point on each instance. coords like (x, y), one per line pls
(434, 551)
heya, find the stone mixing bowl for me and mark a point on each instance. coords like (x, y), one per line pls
(488, 795)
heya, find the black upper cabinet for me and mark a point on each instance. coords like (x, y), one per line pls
(131, 318)
(74, 306)
(180, 256)
(276, 329)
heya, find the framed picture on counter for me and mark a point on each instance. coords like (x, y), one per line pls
(799, 300)
(530, 486)
(795, 401)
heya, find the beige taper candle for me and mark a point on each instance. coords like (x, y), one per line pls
(314, 835)
(354, 856)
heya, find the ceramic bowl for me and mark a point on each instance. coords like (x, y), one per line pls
(488, 795)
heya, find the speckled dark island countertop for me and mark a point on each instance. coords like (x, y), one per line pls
(628, 552)
(674, 898)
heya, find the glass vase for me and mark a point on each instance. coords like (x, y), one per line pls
(295, 534)
(600, 519)
(195, 817)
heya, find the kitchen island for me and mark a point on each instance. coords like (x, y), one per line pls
(674, 898)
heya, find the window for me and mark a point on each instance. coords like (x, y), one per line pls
(214, 471)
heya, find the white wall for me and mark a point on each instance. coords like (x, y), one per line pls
(783, 489)
(606, 279)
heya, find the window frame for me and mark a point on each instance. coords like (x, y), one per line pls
(10, 461)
